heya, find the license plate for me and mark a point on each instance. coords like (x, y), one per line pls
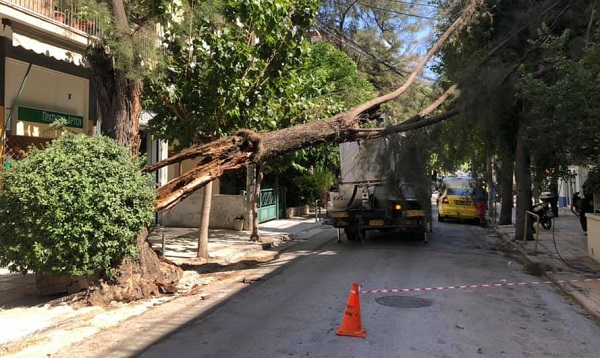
(375, 222)
(413, 213)
(461, 202)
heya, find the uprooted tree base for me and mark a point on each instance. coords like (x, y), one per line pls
(151, 276)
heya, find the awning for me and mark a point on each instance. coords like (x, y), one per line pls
(42, 48)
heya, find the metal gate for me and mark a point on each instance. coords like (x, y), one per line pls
(268, 205)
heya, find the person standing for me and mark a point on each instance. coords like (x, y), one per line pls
(585, 205)
(480, 198)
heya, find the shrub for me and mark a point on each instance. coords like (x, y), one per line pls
(314, 186)
(592, 183)
(74, 208)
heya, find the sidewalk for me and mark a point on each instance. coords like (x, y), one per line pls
(562, 254)
(23, 312)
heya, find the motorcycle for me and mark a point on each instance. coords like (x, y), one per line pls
(545, 213)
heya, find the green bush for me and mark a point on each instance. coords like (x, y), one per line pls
(74, 208)
(314, 186)
(592, 183)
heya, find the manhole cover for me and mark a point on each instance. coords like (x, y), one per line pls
(404, 301)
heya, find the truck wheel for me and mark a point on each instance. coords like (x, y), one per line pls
(351, 234)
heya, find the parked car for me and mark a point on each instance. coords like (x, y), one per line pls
(456, 203)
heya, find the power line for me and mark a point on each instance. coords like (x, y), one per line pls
(360, 49)
(397, 12)
(412, 3)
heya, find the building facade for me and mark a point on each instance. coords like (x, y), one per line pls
(44, 77)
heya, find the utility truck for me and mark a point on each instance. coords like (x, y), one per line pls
(365, 199)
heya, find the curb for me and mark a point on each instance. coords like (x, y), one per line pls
(571, 291)
(577, 296)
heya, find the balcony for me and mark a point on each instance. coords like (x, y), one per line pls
(64, 13)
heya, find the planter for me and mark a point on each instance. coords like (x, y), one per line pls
(238, 224)
(85, 26)
(290, 212)
(305, 209)
(54, 284)
(60, 17)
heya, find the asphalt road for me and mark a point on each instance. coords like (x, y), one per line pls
(295, 312)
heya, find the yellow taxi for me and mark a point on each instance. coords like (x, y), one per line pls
(456, 203)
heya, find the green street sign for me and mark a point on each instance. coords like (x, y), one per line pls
(42, 116)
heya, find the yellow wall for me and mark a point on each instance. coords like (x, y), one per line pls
(45, 89)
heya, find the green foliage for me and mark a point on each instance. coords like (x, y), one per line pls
(567, 103)
(382, 36)
(74, 208)
(592, 183)
(331, 84)
(325, 83)
(313, 186)
(307, 173)
(534, 80)
(253, 68)
(228, 71)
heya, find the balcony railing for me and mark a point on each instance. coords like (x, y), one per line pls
(79, 17)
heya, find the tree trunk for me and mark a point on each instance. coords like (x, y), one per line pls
(506, 193)
(202, 252)
(150, 276)
(255, 236)
(119, 99)
(523, 180)
(249, 199)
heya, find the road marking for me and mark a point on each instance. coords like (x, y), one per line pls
(483, 285)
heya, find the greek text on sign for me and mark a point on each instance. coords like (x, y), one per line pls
(42, 116)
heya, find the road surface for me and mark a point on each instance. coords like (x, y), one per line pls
(295, 312)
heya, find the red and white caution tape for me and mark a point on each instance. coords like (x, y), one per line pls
(462, 287)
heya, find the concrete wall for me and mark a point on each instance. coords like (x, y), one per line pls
(593, 236)
(224, 209)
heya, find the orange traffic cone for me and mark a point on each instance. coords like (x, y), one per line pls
(351, 325)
